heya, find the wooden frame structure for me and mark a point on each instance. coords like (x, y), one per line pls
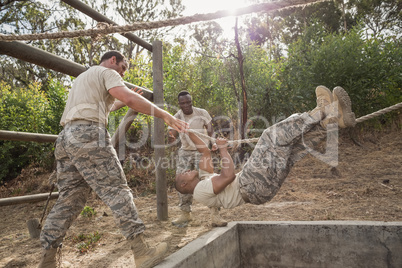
(47, 60)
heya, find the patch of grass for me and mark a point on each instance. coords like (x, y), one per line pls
(85, 242)
(16, 191)
(88, 212)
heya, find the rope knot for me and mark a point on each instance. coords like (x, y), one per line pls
(99, 30)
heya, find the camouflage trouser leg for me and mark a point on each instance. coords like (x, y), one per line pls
(187, 160)
(278, 149)
(321, 143)
(86, 160)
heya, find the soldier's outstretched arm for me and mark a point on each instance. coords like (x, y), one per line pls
(219, 182)
(206, 158)
(140, 104)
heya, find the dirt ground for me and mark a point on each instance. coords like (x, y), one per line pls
(366, 185)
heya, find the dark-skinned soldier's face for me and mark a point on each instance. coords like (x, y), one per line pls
(186, 104)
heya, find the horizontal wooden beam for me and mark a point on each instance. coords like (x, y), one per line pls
(22, 51)
(27, 199)
(26, 136)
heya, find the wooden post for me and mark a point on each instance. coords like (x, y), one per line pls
(159, 133)
(34, 228)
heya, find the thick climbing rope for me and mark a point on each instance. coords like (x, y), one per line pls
(380, 112)
(358, 120)
(229, 142)
(104, 28)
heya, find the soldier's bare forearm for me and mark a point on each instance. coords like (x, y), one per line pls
(227, 168)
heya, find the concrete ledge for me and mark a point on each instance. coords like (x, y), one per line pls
(209, 250)
(294, 244)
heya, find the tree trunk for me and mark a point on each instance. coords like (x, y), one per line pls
(239, 105)
(345, 26)
(242, 81)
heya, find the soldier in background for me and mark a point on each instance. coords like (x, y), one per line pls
(188, 156)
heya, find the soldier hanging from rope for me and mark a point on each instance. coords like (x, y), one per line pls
(277, 150)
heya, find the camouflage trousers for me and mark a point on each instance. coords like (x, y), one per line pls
(186, 160)
(278, 149)
(87, 161)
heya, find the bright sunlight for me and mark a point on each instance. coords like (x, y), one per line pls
(210, 6)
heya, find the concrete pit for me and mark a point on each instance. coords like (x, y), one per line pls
(294, 244)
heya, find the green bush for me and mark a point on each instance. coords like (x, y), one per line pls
(56, 97)
(368, 68)
(28, 110)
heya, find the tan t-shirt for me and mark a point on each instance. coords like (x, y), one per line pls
(89, 98)
(197, 120)
(230, 197)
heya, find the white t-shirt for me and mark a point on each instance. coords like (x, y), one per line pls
(230, 197)
(197, 120)
(89, 98)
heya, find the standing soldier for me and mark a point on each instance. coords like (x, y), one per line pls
(188, 156)
(86, 159)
